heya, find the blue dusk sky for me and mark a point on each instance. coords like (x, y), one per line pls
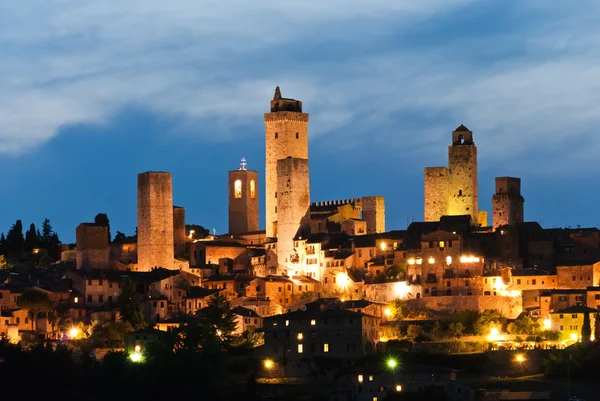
(94, 92)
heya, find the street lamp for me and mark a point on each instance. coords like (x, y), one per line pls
(268, 364)
(391, 365)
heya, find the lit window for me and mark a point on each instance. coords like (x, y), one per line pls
(371, 378)
(313, 322)
(419, 261)
(360, 378)
(300, 348)
(300, 336)
(287, 322)
(238, 189)
(398, 387)
(76, 299)
(411, 261)
(374, 398)
(431, 261)
(325, 347)
(252, 189)
(441, 244)
(383, 246)
(448, 260)
(476, 259)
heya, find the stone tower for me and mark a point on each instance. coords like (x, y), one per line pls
(507, 202)
(286, 136)
(293, 203)
(155, 221)
(373, 213)
(243, 200)
(453, 191)
(92, 246)
(179, 231)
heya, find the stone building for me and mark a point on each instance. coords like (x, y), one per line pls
(286, 136)
(373, 213)
(93, 251)
(507, 202)
(179, 237)
(453, 190)
(243, 200)
(155, 221)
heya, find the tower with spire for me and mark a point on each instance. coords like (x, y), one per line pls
(243, 199)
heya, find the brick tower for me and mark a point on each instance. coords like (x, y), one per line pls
(243, 200)
(155, 221)
(507, 202)
(92, 246)
(179, 231)
(453, 191)
(373, 212)
(293, 203)
(286, 136)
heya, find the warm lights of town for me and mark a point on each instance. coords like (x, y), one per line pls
(74, 333)
(547, 324)
(469, 259)
(520, 358)
(401, 289)
(391, 363)
(388, 312)
(268, 363)
(342, 280)
(494, 335)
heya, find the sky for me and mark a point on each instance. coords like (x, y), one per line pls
(93, 93)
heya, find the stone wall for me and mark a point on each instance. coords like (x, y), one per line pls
(155, 221)
(373, 211)
(293, 202)
(436, 193)
(179, 231)
(286, 136)
(243, 201)
(386, 292)
(510, 307)
(92, 246)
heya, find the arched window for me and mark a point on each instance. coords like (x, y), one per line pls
(237, 193)
(252, 189)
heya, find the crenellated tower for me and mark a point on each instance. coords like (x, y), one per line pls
(507, 202)
(286, 129)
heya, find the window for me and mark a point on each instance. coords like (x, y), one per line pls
(100, 298)
(574, 316)
(297, 135)
(325, 347)
(99, 282)
(360, 378)
(533, 281)
(110, 299)
(313, 322)
(519, 281)
(300, 348)
(276, 135)
(237, 189)
(89, 282)
(252, 189)
(300, 336)
(370, 378)
(89, 298)
(287, 322)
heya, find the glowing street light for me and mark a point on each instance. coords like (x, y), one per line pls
(136, 357)
(73, 333)
(268, 364)
(520, 358)
(388, 312)
(391, 363)
(547, 324)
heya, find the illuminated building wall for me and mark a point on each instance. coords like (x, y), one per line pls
(286, 128)
(155, 221)
(243, 201)
(373, 212)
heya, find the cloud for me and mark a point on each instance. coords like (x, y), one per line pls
(381, 70)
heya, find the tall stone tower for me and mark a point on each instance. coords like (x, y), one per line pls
(243, 200)
(179, 231)
(453, 191)
(155, 221)
(507, 202)
(92, 246)
(286, 136)
(373, 212)
(293, 203)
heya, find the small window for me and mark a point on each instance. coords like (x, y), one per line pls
(252, 189)
(297, 135)
(238, 189)
(325, 347)
(276, 135)
(300, 348)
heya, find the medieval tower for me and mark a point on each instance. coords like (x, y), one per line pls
(453, 190)
(293, 203)
(373, 212)
(243, 200)
(507, 202)
(286, 136)
(179, 231)
(155, 221)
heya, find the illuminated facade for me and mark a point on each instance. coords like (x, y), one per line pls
(243, 200)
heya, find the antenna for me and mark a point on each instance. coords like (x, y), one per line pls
(214, 232)
(243, 164)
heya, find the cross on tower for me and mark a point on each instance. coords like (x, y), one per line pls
(243, 164)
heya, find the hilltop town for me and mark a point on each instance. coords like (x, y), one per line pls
(324, 279)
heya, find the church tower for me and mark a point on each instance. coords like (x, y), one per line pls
(243, 200)
(462, 166)
(286, 136)
(507, 202)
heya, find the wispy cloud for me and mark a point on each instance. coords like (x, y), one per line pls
(528, 83)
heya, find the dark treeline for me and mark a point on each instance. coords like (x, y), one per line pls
(19, 243)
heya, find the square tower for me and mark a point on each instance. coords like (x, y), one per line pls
(373, 213)
(92, 246)
(293, 203)
(507, 202)
(155, 221)
(286, 128)
(179, 231)
(462, 164)
(243, 200)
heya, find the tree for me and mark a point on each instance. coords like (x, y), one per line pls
(31, 238)
(130, 305)
(15, 239)
(102, 220)
(199, 231)
(119, 236)
(413, 331)
(35, 302)
(456, 329)
(586, 329)
(49, 240)
(219, 316)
